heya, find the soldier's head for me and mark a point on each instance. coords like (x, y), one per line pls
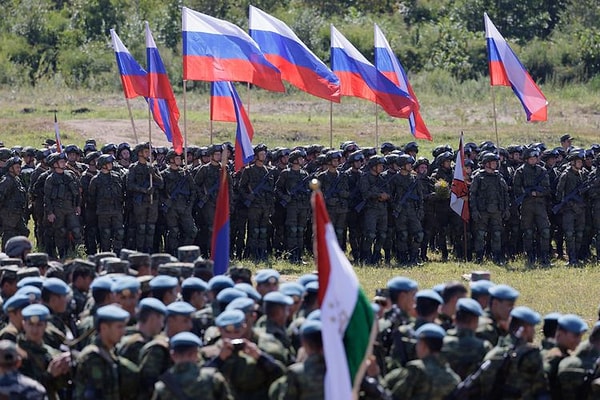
(110, 322)
(576, 158)
(13, 165)
(260, 152)
(231, 324)
(193, 290)
(502, 301)
(123, 151)
(277, 307)
(91, 160)
(109, 148)
(73, 152)
(35, 317)
(421, 166)
(522, 323)
(100, 289)
(215, 152)
(184, 347)
(430, 338)
(28, 154)
(392, 161)
(83, 273)
(531, 155)
(267, 280)
(89, 146)
(151, 314)
(467, 314)
(376, 164)
(164, 288)
(18, 247)
(282, 156)
(406, 162)
(173, 159)
(126, 292)
(333, 158)
(411, 148)
(55, 294)
(428, 302)
(402, 292)
(57, 161)
(311, 338)
(387, 148)
(490, 161)
(356, 159)
(14, 306)
(569, 331)
(105, 163)
(453, 291)
(142, 151)
(444, 159)
(10, 356)
(297, 157)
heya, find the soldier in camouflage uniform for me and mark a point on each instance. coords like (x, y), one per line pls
(143, 180)
(292, 191)
(151, 314)
(429, 377)
(89, 217)
(356, 161)
(573, 212)
(334, 185)
(178, 197)
(13, 202)
(36, 196)
(390, 247)
(28, 155)
(375, 194)
(493, 326)
(489, 206)
(12, 309)
(54, 296)
(531, 188)
(12, 383)
(442, 214)
(256, 187)
(62, 205)
(185, 379)
(594, 205)
(73, 153)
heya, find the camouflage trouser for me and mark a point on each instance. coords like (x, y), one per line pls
(573, 223)
(12, 223)
(295, 224)
(66, 230)
(595, 206)
(111, 231)
(278, 229)
(490, 223)
(374, 223)
(338, 215)
(181, 230)
(441, 225)
(354, 232)
(239, 222)
(258, 227)
(38, 223)
(534, 219)
(207, 216)
(143, 217)
(409, 234)
(90, 229)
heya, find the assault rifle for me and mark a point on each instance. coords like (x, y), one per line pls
(533, 188)
(178, 190)
(202, 201)
(465, 388)
(258, 188)
(576, 193)
(408, 195)
(297, 188)
(358, 208)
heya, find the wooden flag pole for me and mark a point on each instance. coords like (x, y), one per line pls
(465, 239)
(150, 142)
(331, 124)
(362, 370)
(495, 117)
(132, 123)
(185, 136)
(376, 126)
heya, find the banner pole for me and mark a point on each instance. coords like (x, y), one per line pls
(331, 124)
(132, 123)
(185, 136)
(376, 126)
(495, 117)
(465, 239)
(150, 143)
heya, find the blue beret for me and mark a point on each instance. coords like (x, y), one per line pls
(429, 294)
(16, 302)
(180, 308)
(163, 282)
(314, 314)
(150, 303)
(102, 283)
(526, 315)
(481, 287)
(31, 281)
(312, 287)
(220, 282)
(292, 289)
(375, 307)
(194, 283)
(126, 285)
(278, 298)
(402, 284)
(230, 319)
(310, 326)
(553, 316)
(504, 292)
(244, 304)
(267, 275)
(470, 306)
(306, 278)
(32, 292)
(56, 286)
(430, 331)
(248, 289)
(439, 288)
(185, 339)
(227, 295)
(35, 313)
(572, 323)
(111, 313)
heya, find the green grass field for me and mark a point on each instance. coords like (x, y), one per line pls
(295, 118)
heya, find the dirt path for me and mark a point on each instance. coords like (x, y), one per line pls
(115, 131)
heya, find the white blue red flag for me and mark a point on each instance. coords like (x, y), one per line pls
(57, 134)
(221, 102)
(360, 78)
(297, 63)
(389, 65)
(160, 95)
(133, 76)
(244, 153)
(506, 70)
(217, 50)
(459, 194)
(219, 249)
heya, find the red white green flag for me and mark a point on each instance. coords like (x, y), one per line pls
(346, 313)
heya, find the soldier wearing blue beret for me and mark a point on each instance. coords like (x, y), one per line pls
(12, 308)
(549, 330)
(164, 288)
(502, 301)
(151, 314)
(480, 291)
(55, 296)
(126, 292)
(267, 280)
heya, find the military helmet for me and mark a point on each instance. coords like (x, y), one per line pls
(576, 154)
(314, 149)
(295, 155)
(595, 148)
(214, 148)
(444, 156)
(411, 146)
(89, 147)
(514, 148)
(392, 159)
(91, 156)
(387, 147)
(202, 152)
(333, 154)
(470, 146)
(321, 159)
(284, 152)
(445, 148)
(547, 154)
(108, 147)
(469, 163)
(349, 146)
(72, 148)
(260, 147)
(589, 153)
(375, 160)
(229, 146)
(104, 159)
(137, 149)
(193, 150)
(5, 154)
(489, 157)
(369, 151)
(541, 146)
(421, 161)
(171, 154)
(531, 152)
(405, 159)
(356, 156)
(12, 161)
(54, 157)
(41, 154)
(28, 151)
(488, 146)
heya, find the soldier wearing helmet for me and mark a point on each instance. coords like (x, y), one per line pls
(489, 207)
(375, 194)
(442, 215)
(74, 153)
(90, 222)
(124, 155)
(531, 187)
(427, 187)
(62, 206)
(278, 230)
(355, 162)
(106, 198)
(13, 202)
(334, 185)
(177, 198)
(36, 193)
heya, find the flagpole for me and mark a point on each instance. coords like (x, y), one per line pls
(132, 123)
(150, 142)
(185, 137)
(363, 366)
(331, 124)
(376, 126)
(465, 239)
(495, 117)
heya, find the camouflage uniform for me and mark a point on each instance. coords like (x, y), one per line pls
(36, 197)
(36, 364)
(334, 186)
(9, 332)
(464, 351)
(594, 197)
(97, 375)
(207, 180)
(442, 213)
(13, 208)
(373, 189)
(154, 360)
(552, 359)
(574, 372)
(429, 379)
(303, 381)
(573, 213)
(14, 385)
(353, 217)
(131, 345)
(194, 383)
(57, 332)
(106, 198)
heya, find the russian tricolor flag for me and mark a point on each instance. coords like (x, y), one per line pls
(360, 78)
(217, 50)
(221, 102)
(298, 65)
(161, 97)
(133, 76)
(389, 65)
(244, 153)
(507, 70)
(219, 248)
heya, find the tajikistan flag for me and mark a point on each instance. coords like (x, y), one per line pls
(346, 314)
